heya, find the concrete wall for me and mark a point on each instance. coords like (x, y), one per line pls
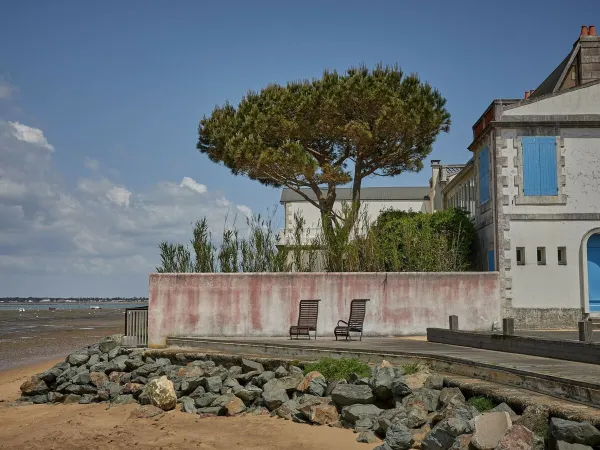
(267, 304)
(578, 101)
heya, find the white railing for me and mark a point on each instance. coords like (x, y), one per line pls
(136, 327)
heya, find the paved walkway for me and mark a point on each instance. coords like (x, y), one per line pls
(581, 373)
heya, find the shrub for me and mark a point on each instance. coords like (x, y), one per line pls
(482, 404)
(412, 368)
(338, 369)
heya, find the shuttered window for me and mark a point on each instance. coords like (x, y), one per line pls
(484, 175)
(539, 166)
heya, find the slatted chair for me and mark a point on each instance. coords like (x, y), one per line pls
(307, 319)
(358, 308)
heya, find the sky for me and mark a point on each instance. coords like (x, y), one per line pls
(100, 103)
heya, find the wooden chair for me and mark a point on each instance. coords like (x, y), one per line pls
(307, 319)
(358, 308)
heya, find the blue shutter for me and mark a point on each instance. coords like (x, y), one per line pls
(539, 166)
(484, 175)
(491, 261)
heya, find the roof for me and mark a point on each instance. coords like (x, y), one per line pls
(550, 84)
(370, 193)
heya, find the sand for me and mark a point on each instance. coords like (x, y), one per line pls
(100, 427)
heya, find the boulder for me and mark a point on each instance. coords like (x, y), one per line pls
(562, 445)
(116, 377)
(77, 359)
(188, 405)
(443, 434)
(400, 389)
(313, 383)
(490, 428)
(205, 400)
(133, 364)
(161, 393)
(434, 381)
(261, 379)
(114, 353)
(295, 370)
(289, 383)
(367, 437)
(108, 343)
(71, 399)
(134, 389)
(190, 384)
(210, 411)
(535, 418)
(94, 359)
(504, 407)
(249, 394)
(161, 362)
(55, 397)
(124, 399)
(354, 413)
(34, 386)
(232, 384)
(517, 438)
(80, 389)
(119, 363)
(189, 371)
(146, 412)
(450, 393)
(50, 375)
(221, 400)
(322, 414)
(289, 411)
(146, 369)
(98, 378)
(39, 399)
(82, 378)
(212, 384)
(234, 406)
(416, 416)
(388, 416)
(274, 398)
(109, 391)
(235, 371)
(428, 397)
(351, 394)
(382, 378)
(281, 372)
(398, 437)
(463, 442)
(251, 366)
(574, 432)
(331, 386)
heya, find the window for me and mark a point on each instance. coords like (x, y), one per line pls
(484, 175)
(541, 256)
(491, 261)
(520, 256)
(562, 256)
(539, 166)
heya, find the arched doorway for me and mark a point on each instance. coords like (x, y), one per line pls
(593, 272)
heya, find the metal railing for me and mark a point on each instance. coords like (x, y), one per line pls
(136, 326)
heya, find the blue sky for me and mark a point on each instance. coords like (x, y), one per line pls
(99, 105)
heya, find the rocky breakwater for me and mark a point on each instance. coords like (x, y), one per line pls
(404, 411)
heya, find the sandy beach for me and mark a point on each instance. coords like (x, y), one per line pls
(98, 426)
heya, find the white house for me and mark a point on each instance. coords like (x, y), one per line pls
(533, 187)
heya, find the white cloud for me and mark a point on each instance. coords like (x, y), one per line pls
(95, 229)
(91, 164)
(7, 89)
(193, 185)
(245, 210)
(30, 135)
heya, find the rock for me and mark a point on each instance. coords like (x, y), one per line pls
(459, 409)
(289, 383)
(77, 359)
(161, 362)
(111, 390)
(331, 386)
(221, 400)
(124, 399)
(119, 363)
(535, 418)
(367, 437)
(116, 377)
(366, 424)
(212, 384)
(490, 428)
(249, 394)
(263, 378)
(505, 408)
(354, 413)
(434, 381)
(388, 416)
(34, 386)
(562, 445)
(382, 378)
(71, 398)
(114, 353)
(39, 399)
(234, 406)
(134, 364)
(416, 416)
(199, 391)
(134, 389)
(98, 378)
(428, 397)
(443, 434)
(450, 393)
(398, 437)
(161, 393)
(222, 373)
(82, 378)
(190, 384)
(574, 432)
(281, 372)
(251, 366)
(205, 400)
(322, 414)
(289, 411)
(191, 371)
(463, 442)
(80, 389)
(274, 398)
(210, 411)
(233, 384)
(351, 394)
(188, 405)
(55, 397)
(146, 412)
(139, 379)
(295, 370)
(107, 344)
(98, 367)
(313, 383)
(50, 375)
(206, 365)
(146, 369)
(235, 371)
(517, 438)
(400, 389)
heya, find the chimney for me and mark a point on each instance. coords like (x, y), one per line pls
(589, 65)
(527, 94)
(435, 162)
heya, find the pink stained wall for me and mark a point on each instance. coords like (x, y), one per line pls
(266, 304)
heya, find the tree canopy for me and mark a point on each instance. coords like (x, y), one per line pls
(314, 135)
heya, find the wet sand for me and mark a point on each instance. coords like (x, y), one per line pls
(34, 336)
